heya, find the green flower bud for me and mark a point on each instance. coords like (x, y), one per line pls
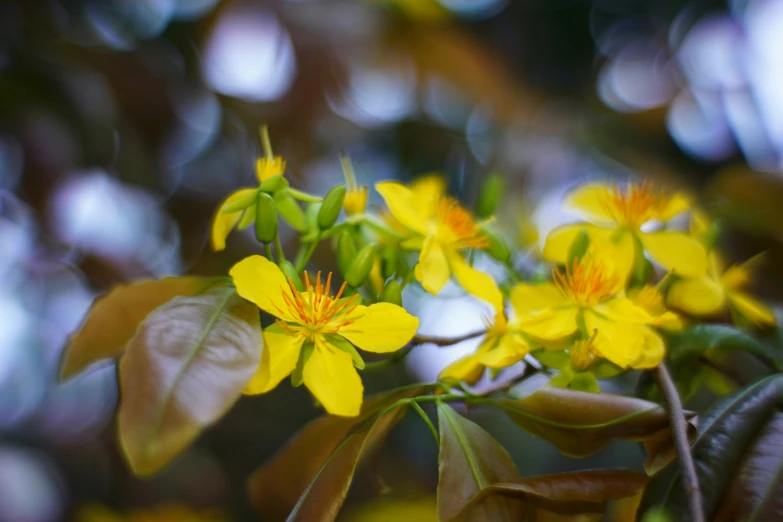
(274, 184)
(489, 196)
(266, 218)
(331, 207)
(290, 273)
(578, 247)
(389, 261)
(346, 252)
(497, 247)
(392, 293)
(361, 266)
(290, 210)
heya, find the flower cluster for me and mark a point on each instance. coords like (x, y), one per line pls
(620, 279)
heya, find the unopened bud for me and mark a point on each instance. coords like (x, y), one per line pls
(389, 258)
(355, 201)
(392, 293)
(490, 196)
(331, 207)
(266, 218)
(361, 266)
(346, 252)
(496, 247)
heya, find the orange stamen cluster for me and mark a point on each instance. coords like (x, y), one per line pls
(315, 309)
(582, 355)
(635, 204)
(461, 224)
(586, 282)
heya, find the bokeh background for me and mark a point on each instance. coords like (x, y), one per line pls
(124, 123)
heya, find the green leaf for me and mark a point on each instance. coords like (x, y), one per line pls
(585, 381)
(581, 423)
(312, 457)
(564, 496)
(186, 366)
(470, 459)
(114, 318)
(739, 457)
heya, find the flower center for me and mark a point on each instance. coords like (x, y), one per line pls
(586, 282)
(582, 355)
(649, 298)
(457, 226)
(314, 309)
(635, 204)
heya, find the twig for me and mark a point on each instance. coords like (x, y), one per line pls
(417, 340)
(445, 341)
(679, 426)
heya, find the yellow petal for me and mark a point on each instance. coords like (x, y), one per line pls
(526, 297)
(260, 281)
(432, 270)
(737, 276)
(677, 204)
(558, 242)
(623, 309)
(652, 352)
(399, 199)
(593, 201)
(621, 343)
(468, 369)
(278, 360)
(475, 282)
(552, 324)
(751, 309)
(380, 328)
(613, 249)
(510, 350)
(330, 376)
(676, 251)
(223, 222)
(697, 296)
(426, 193)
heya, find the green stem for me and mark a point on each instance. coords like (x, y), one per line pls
(302, 261)
(265, 142)
(426, 419)
(279, 249)
(512, 272)
(268, 251)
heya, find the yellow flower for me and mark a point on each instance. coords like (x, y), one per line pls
(440, 229)
(586, 298)
(503, 345)
(426, 191)
(223, 223)
(321, 328)
(619, 214)
(711, 293)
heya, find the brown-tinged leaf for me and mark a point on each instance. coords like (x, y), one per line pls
(186, 366)
(660, 448)
(564, 496)
(470, 459)
(739, 458)
(114, 318)
(581, 423)
(275, 488)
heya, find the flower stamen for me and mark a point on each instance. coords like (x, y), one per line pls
(586, 282)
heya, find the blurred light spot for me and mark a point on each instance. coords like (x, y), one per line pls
(763, 23)
(249, 55)
(475, 8)
(741, 112)
(11, 161)
(711, 54)
(193, 9)
(482, 134)
(28, 487)
(637, 78)
(377, 95)
(445, 104)
(99, 215)
(699, 127)
(199, 116)
(119, 23)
